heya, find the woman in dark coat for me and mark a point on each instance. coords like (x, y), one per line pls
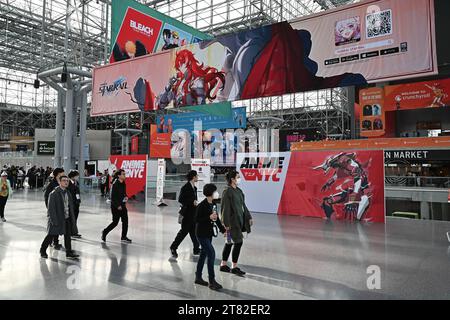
(60, 221)
(237, 219)
(207, 223)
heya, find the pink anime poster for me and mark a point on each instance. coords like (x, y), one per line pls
(336, 185)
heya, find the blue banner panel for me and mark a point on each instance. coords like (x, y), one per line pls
(172, 122)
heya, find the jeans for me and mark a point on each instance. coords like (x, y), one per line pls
(67, 240)
(116, 216)
(206, 252)
(187, 227)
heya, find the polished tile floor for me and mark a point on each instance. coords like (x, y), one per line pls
(285, 258)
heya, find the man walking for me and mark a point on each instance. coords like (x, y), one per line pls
(53, 183)
(118, 206)
(61, 218)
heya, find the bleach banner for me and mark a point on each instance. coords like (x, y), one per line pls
(135, 167)
(262, 179)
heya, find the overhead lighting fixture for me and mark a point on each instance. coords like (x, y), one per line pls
(36, 82)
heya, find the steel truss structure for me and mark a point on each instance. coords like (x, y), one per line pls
(36, 35)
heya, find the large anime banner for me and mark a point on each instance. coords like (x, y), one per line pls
(135, 167)
(336, 185)
(267, 61)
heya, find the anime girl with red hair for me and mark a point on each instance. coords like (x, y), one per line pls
(193, 84)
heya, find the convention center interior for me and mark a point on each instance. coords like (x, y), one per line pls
(224, 150)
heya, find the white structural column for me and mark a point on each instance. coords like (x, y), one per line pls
(83, 125)
(68, 131)
(59, 129)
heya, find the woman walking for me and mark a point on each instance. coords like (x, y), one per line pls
(206, 224)
(237, 219)
(5, 192)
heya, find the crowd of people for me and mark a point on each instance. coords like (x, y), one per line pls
(62, 198)
(35, 176)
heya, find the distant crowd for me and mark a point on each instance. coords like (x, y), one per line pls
(34, 176)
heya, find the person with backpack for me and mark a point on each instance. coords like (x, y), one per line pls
(52, 184)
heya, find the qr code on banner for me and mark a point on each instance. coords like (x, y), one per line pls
(379, 24)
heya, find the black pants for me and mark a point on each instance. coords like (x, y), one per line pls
(76, 210)
(116, 216)
(187, 227)
(2, 206)
(236, 251)
(67, 240)
(103, 188)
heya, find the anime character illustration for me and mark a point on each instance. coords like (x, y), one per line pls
(167, 36)
(273, 60)
(347, 31)
(354, 189)
(193, 84)
(439, 94)
(130, 51)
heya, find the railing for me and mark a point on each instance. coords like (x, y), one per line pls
(423, 182)
(16, 154)
(89, 183)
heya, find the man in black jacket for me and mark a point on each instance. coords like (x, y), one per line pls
(74, 189)
(188, 200)
(118, 206)
(51, 185)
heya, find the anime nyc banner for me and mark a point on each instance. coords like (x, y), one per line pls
(331, 185)
(135, 167)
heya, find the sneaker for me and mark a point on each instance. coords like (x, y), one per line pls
(213, 285)
(125, 240)
(201, 282)
(174, 253)
(57, 246)
(43, 254)
(72, 255)
(225, 268)
(237, 271)
(3, 219)
(103, 236)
